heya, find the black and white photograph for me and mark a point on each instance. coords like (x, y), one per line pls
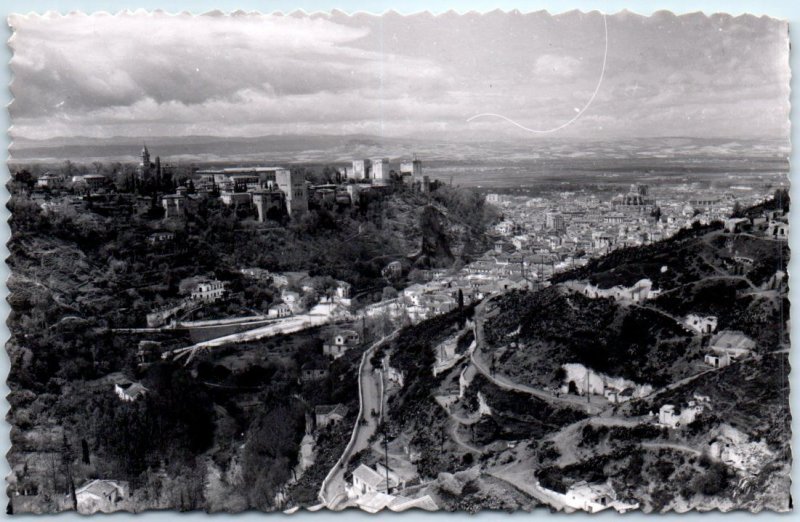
(502, 260)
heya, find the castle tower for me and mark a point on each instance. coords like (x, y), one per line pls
(293, 186)
(361, 169)
(265, 201)
(144, 166)
(380, 169)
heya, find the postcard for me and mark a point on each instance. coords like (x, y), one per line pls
(456, 261)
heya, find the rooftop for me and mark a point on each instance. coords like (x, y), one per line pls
(328, 409)
(731, 339)
(100, 487)
(369, 476)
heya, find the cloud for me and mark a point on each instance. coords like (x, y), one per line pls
(141, 74)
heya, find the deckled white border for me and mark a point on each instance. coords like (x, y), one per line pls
(794, 240)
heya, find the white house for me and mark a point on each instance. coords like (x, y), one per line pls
(640, 291)
(668, 417)
(280, 310)
(732, 342)
(160, 237)
(100, 495)
(343, 293)
(50, 181)
(326, 414)
(377, 501)
(367, 480)
(130, 391)
(413, 294)
(292, 299)
(700, 324)
(717, 360)
(778, 230)
(341, 342)
(595, 497)
(208, 291)
(735, 224)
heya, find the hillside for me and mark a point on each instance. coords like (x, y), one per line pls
(748, 413)
(541, 331)
(734, 454)
(737, 277)
(689, 256)
(82, 274)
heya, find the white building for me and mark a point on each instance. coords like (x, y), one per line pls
(235, 198)
(341, 342)
(700, 324)
(411, 168)
(101, 495)
(367, 480)
(641, 291)
(292, 298)
(280, 310)
(258, 274)
(208, 291)
(590, 497)
(326, 414)
(50, 181)
(667, 416)
(361, 169)
(717, 360)
(130, 391)
(380, 169)
(733, 343)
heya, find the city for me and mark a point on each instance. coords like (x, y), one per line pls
(401, 279)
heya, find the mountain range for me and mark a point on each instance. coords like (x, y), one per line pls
(340, 149)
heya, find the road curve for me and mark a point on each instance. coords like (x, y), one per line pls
(332, 491)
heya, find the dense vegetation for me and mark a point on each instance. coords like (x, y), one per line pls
(631, 470)
(82, 272)
(412, 354)
(515, 416)
(753, 398)
(556, 327)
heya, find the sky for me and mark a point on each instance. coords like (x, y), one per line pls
(421, 76)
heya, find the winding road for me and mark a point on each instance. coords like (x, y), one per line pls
(332, 493)
(505, 383)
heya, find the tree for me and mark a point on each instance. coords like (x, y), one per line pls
(24, 177)
(85, 451)
(656, 214)
(271, 452)
(67, 456)
(69, 169)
